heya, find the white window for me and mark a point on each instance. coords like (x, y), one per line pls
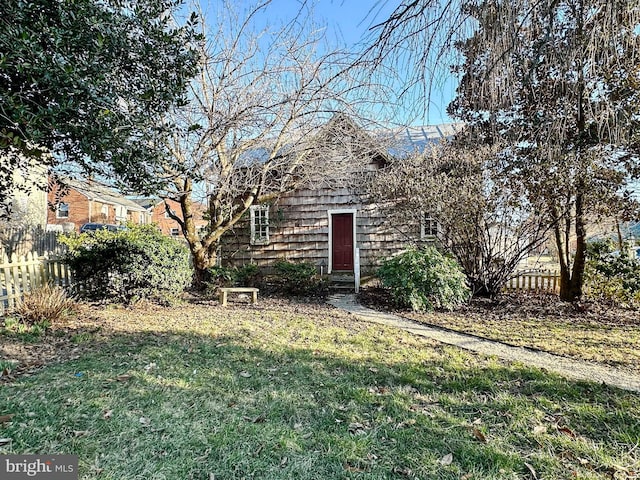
(121, 213)
(175, 232)
(259, 224)
(62, 211)
(428, 227)
(105, 211)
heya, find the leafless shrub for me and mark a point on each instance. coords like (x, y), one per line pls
(47, 303)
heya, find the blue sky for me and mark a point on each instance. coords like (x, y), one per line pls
(348, 24)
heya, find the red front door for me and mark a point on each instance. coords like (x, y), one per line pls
(342, 241)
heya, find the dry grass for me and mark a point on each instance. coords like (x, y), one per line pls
(47, 303)
(587, 331)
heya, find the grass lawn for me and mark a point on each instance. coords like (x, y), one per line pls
(290, 391)
(593, 332)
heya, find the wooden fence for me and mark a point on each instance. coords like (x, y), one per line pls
(19, 275)
(545, 281)
(20, 241)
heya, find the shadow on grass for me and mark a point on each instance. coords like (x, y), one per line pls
(178, 405)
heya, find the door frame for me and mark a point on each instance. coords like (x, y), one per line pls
(330, 214)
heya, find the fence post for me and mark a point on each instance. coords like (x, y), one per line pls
(356, 271)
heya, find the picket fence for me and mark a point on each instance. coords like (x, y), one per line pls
(544, 281)
(19, 275)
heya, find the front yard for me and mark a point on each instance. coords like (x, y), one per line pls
(587, 331)
(286, 390)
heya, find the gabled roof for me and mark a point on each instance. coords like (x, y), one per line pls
(101, 193)
(147, 202)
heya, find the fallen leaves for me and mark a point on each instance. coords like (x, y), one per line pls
(532, 471)
(356, 428)
(6, 418)
(539, 429)
(567, 432)
(479, 435)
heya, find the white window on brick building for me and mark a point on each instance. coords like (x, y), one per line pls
(62, 210)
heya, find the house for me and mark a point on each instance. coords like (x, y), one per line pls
(75, 202)
(27, 200)
(23, 217)
(337, 228)
(157, 212)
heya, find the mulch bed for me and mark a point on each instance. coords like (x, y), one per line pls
(543, 306)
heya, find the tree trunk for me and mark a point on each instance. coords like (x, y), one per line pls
(203, 250)
(572, 278)
(202, 261)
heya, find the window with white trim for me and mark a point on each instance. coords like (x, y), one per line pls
(259, 224)
(62, 210)
(428, 227)
(175, 232)
(121, 213)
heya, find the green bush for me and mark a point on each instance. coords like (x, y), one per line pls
(246, 276)
(128, 265)
(219, 276)
(612, 278)
(424, 280)
(299, 278)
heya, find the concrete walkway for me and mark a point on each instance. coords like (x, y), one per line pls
(573, 369)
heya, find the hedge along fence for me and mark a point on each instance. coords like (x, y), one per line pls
(547, 281)
(19, 275)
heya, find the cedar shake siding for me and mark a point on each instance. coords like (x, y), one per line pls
(299, 231)
(303, 224)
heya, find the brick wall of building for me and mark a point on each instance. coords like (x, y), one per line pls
(167, 225)
(81, 210)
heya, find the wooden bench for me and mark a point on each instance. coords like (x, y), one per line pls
(222, 292)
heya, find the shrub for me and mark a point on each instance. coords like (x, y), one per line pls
(128, 265)
(298, 278)
(246, 276)
(219, 277)
(424, 280)
(45, 305)
(612, 278)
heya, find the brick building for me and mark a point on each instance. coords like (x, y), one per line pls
(74, 203)
(155, 208)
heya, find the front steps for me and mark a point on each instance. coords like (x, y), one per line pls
(342, 282)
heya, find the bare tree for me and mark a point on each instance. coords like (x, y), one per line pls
(255, 126)
(486, 224)
(558, 82)
(555, 82)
